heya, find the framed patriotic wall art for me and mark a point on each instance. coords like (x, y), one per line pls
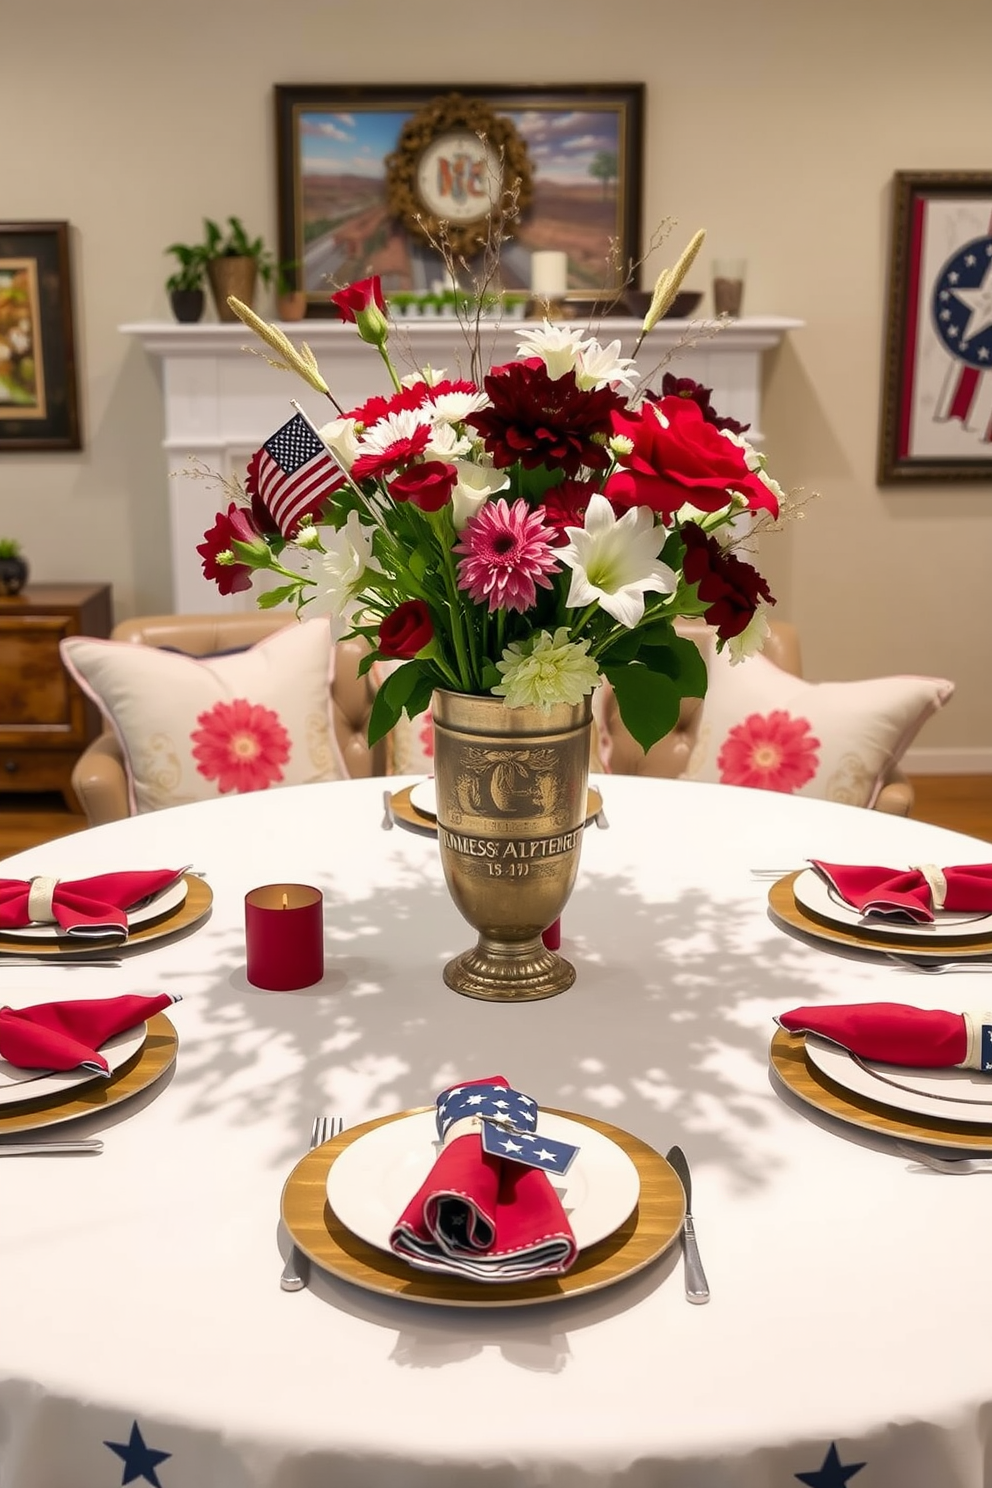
(937, 390)
(367, 176)
(38, 399)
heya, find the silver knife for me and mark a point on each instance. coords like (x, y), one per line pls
(34, 1148)
(696, 1285)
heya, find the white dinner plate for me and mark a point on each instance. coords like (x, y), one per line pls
(160, 904)
(819, 898)
(948, 1094)
(374, 1179)
(18, 1084)
(423, 798)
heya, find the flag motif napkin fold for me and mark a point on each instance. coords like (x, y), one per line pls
(893, 1033)
(93, 908)
(478, 1214)
(915, 893)
(68, 1035)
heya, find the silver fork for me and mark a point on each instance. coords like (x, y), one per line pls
(297, 1267)
(387, 811)
(946, 1164)
(936, 966)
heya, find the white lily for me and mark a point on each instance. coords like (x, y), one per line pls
(340, 571)
(558, 347)
(475, 486)
(339, 436)
(603, 366)
(614, 561)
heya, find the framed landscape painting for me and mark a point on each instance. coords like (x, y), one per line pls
(38, 398)
(362, 169)
(937, 387)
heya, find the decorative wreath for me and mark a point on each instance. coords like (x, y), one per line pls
(454, 155)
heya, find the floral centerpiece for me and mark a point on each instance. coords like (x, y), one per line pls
(521, 535)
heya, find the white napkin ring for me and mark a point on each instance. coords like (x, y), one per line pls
(975, 1024)
(935, 878)
(40, 897)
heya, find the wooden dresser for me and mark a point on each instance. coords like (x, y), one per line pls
(45, 721)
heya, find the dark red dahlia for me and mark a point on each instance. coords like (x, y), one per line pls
(729, 586)
(543, 421)
(565, 506)
(686, 387)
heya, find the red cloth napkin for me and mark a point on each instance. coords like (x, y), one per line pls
(85, 907)
(68, 1035)
(892, 1033)
(912, 892)
(483, 1216)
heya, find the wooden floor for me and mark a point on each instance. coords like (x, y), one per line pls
(961, 802)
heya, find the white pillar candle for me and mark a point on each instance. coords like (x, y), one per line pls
(548, 273)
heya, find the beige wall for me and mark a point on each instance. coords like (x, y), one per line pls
(776, 125)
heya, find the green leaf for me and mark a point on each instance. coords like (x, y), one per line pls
(648, 702)
(273, 597)
(649, 691)
(402, 689)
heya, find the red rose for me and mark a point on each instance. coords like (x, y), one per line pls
(233, 525)
(687, 461)
(428, 485)
(358, 297)
(362, 303)
(406, 631)
(729, 586)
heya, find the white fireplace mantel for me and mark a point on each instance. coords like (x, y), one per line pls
(221, 402)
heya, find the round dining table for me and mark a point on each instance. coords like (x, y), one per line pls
(144, 1335)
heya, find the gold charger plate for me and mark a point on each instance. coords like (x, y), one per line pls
(316, 1230)
(407, 816)
(194, 907)
(782, 902)
(788, 1059)
(151, 1061)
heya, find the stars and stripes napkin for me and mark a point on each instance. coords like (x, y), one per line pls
(893, 1033)
(916, 893)
(94, 908)
(482, 1214)
(68, 1035)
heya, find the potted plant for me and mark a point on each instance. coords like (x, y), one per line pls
(234, 262)
(291, 299)
(185, 286)
(13, 568)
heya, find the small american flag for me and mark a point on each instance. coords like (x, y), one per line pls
(296, 474)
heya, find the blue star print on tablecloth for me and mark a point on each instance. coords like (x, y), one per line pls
(832, 1474)
(962, 304)
(139, 1461)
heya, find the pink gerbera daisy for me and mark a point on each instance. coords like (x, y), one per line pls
(771, 751)
(241, 745)
(508, 553)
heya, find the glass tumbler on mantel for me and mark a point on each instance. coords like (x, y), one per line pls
(512, 791)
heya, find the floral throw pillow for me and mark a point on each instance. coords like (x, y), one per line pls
(193, 728)
(761, 727)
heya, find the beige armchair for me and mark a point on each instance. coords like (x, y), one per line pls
(100, 783)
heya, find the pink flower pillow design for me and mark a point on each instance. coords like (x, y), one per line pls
(762, 728)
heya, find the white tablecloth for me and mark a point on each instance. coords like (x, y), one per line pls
(852, 1292)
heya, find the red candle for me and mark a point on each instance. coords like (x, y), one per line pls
(552, 936)
(284, 936)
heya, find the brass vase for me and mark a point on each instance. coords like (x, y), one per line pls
(231, 276)
(512, 787)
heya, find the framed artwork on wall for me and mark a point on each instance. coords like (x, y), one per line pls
(937, 388)
(368, 175)
(39, 407)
